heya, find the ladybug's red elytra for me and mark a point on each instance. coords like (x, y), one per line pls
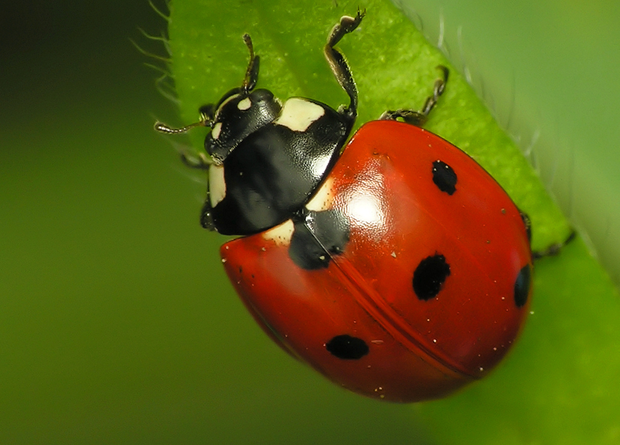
(394, 265)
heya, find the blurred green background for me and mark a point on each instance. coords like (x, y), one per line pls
(117, 324)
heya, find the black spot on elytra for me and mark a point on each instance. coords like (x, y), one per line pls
(444, 177)
(429, 276)
(346, 347)
(522, 285)
(317, 237)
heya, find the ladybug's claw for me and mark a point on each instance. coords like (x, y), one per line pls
(438, 89)
(345, 26)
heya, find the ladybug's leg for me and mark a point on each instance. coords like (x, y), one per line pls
(555, 248)
(528, 225)
(551, 250)
(418, 118)
(339, 65)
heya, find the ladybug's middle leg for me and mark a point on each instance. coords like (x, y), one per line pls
(419, 117)
(338, 63)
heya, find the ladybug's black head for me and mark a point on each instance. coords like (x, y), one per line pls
(237, 115)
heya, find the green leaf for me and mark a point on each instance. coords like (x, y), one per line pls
(558, 385)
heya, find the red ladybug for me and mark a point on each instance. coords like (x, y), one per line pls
(395, 266)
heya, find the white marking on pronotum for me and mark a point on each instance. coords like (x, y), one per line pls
(215, 131)
(298, 114)
(217, 184)
(280, 234)
(244, 104)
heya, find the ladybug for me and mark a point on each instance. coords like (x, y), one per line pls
(393, 264)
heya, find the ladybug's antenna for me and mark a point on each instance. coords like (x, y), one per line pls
(163, 128)
(205, 121)
(251, 74)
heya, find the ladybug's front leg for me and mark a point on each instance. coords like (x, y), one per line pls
(418, 118)
(339, 65)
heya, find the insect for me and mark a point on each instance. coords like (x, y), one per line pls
(393, 264)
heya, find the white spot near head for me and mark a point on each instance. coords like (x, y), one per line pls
(244, 104)
(323, 198)
(217, 184)
(215, 131)
(281, 234)
(298, 114)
